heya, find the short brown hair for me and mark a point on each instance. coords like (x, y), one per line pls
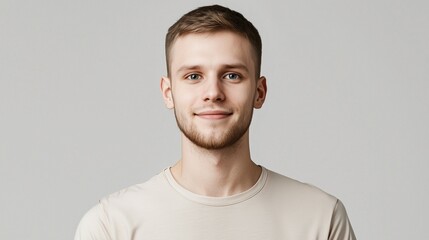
(213, 19)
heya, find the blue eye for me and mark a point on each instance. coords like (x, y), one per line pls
(193, 76)
(232, 76)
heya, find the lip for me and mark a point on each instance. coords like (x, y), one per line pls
(214, 114)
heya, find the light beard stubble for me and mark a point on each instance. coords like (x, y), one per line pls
(228, 139)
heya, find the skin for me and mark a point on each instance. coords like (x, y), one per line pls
(213, 89)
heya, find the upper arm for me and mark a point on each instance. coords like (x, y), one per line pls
(93, 225)
(340, 228)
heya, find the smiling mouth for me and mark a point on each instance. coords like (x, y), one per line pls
(213, 114)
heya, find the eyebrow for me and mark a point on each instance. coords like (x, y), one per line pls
(224, 66)
(236, 66)
(188, 67)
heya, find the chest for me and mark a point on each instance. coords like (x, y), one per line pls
(239, 222)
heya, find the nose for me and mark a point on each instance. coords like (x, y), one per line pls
(213, 90)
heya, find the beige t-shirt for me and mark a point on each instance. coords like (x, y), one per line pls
(275, 208)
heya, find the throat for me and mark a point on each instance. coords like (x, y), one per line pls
(216, 181)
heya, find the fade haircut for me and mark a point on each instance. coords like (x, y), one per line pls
(210, 19)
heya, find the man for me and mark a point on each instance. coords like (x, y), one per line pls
(215, 190)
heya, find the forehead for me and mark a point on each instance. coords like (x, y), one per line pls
(211, 50)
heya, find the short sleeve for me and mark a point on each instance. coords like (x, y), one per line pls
(340, 229)
(93, 225)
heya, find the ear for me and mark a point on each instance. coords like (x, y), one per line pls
(261, 92)
(166, 92)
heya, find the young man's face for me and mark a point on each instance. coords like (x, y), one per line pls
(213, 87)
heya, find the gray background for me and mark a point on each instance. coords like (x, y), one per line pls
(82, 115)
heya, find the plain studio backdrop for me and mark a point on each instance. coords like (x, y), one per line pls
(81, 114)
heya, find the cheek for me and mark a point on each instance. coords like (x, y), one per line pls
(183, 98)
(244, 96)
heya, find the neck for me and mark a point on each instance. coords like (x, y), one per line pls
(216, 173)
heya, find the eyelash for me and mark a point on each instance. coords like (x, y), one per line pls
(236, 75)
(193, 74)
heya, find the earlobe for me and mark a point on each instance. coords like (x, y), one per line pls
(166, 92)
(261, 92)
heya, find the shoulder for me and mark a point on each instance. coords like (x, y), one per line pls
(136, 195)
(119, 209)
(309, 206)
(288, 185)
(295, 192)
